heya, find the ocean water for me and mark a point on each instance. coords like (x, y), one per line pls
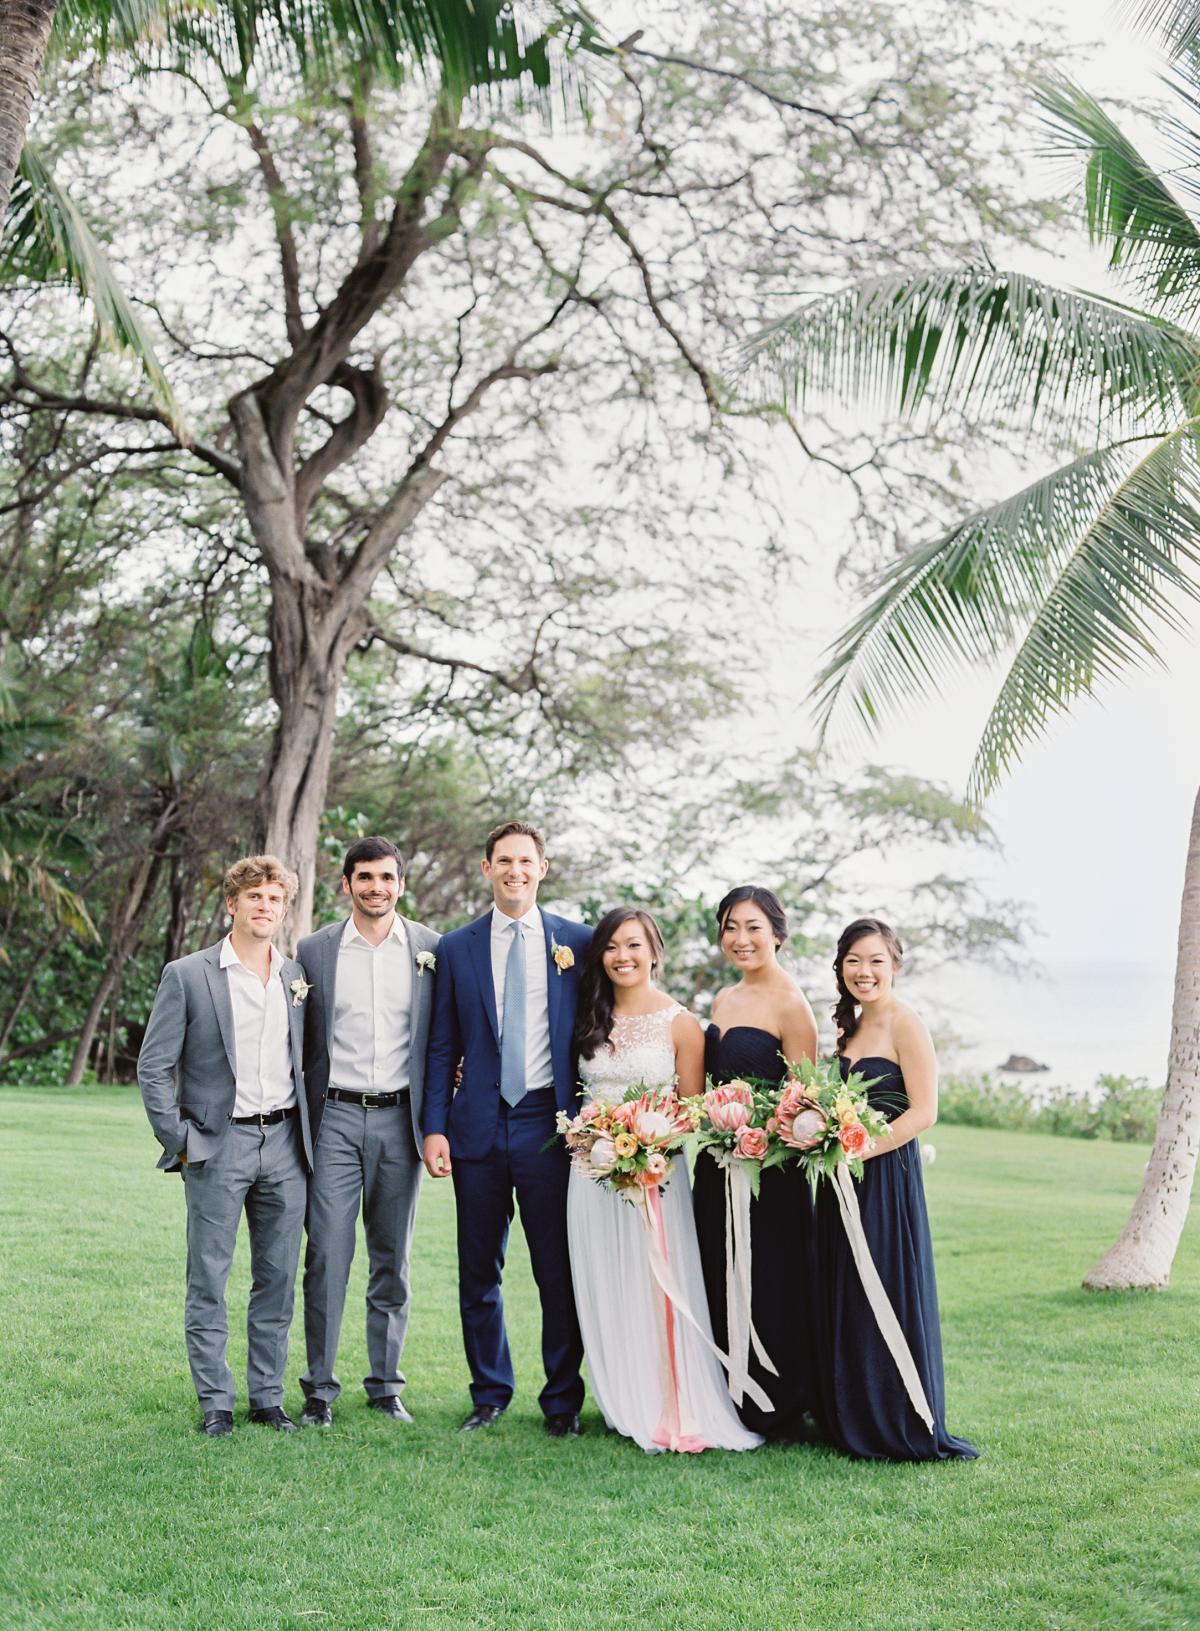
(1081, 1019)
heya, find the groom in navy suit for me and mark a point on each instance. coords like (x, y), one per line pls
(504, 1005)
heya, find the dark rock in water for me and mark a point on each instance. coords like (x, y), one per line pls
(1023, 1063)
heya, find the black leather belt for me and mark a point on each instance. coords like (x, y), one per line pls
(271, 1118)
(369, 1101)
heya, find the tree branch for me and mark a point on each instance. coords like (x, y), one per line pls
(289, 260)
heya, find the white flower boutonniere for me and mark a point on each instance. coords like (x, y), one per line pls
(425, 959)
(299, 990)
(563, 956)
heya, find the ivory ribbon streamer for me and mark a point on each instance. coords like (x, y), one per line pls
(664, 1272)
(738, 1318)
(885, 1314)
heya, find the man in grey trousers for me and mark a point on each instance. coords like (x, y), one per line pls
(365, 1027)
(221, 1074)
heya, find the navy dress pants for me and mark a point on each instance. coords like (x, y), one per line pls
(519, 1163)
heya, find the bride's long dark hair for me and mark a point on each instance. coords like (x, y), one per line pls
(846, 1015)
(594, 1015)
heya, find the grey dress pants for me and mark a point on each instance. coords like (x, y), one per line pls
(258, 1170)
(368, 1158)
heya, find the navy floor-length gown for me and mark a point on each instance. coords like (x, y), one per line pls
(781, 1236)
(862, 1405)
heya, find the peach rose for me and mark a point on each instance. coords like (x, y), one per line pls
(752, 1143)
(625, 1144)
(854, 1139)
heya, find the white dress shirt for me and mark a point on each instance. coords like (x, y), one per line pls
(372, 1012)
(262, 1047)
(539, 1066)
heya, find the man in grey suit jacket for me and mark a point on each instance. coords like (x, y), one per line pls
(365, 1027)
(222, 1079)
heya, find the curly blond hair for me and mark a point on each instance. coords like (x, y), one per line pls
(252, 870)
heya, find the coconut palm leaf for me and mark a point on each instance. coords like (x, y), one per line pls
(1075, 571)
(997, 341)
(467, 43)
(1177, 22)
(1129, 205)
(46, 237)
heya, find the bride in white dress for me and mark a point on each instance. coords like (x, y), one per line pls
(653, 1375)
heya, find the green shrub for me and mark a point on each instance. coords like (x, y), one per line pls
(1121, 1108)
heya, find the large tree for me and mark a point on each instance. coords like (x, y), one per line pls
(1073, 579)
(445, 370)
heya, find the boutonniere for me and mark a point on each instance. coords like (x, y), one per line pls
(299, 990)
(425, 959)
(563, 956)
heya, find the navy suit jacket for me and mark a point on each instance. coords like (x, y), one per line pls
(465, 1026)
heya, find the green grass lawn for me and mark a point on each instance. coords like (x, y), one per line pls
(1083, 1512)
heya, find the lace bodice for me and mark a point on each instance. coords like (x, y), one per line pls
(642, 1051)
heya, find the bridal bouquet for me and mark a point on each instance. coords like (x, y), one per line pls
(825, 1122)
(738, 1124)
(628, 1146)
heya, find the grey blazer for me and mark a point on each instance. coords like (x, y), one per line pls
(319, 954)
(186, 1069)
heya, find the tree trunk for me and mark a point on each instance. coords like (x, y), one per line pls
(138, 901)
(311, 642)
(22, 996)
(1142, 1256)
(24, 35)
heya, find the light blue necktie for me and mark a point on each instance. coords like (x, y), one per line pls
(512, 1035)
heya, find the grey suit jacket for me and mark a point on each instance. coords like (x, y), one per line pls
(186, 1069)
(319, 955)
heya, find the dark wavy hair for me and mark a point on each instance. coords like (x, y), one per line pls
(767, 902)
(845, 1014)
(594, 1015)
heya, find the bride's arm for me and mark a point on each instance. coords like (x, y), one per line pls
(689, 1053)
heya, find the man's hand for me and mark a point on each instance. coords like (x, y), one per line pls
(437, 1155)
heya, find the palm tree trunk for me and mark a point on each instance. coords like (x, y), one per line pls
(24, 34)
(1142, 1256)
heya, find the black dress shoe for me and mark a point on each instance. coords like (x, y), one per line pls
(273, 1416)
(565, 1425)
(390, 1406)
(216, 1423)
(483, 1415)
(317, 1413)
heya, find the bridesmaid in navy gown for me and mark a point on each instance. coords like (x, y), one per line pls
(757, 1023)
(862, 1404)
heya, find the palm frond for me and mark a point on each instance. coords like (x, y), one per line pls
(1074, 572)
(1176, 22)
(46, 237)
(1130, 207)
(468, 44)
(997, 341)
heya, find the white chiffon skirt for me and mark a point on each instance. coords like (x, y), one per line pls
(652, 1375)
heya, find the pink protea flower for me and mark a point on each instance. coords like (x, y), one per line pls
(803, 1127)
(729, 1108)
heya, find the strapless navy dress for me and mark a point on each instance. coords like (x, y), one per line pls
(862, 1405)
(781, 1241)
